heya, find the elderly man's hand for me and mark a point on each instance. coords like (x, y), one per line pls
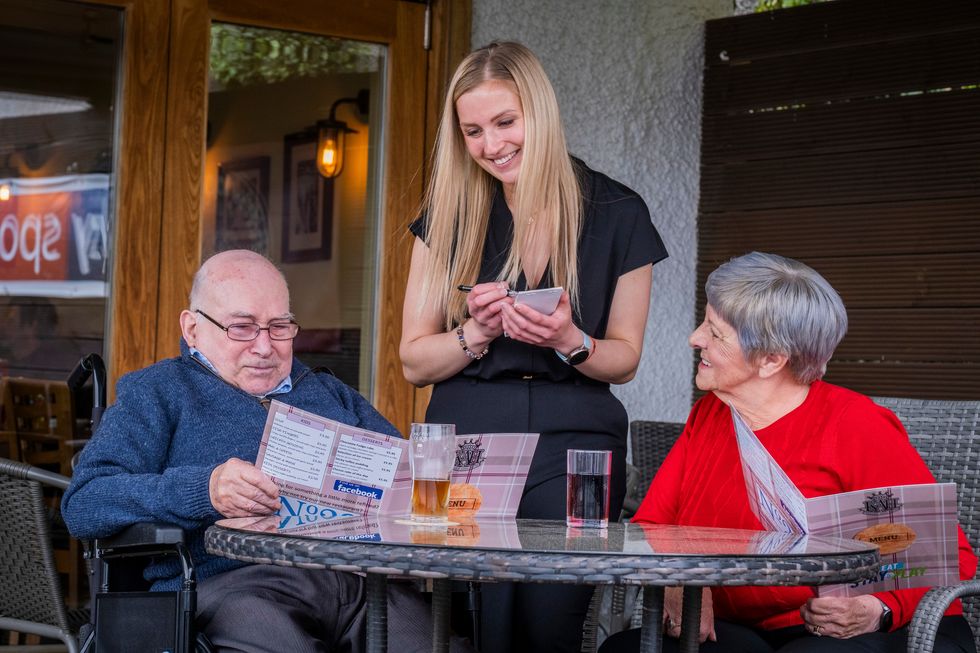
(842, 617)
(240, 489)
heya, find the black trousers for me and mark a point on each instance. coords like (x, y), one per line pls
(954, 636)
(531, 617)
(574, 415)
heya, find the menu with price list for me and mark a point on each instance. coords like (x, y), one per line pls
(328, 470)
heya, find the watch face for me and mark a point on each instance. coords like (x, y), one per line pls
(580, 355)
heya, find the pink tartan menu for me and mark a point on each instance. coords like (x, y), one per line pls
(328, 470)
(914, 526)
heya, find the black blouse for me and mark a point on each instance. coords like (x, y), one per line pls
(617, 237)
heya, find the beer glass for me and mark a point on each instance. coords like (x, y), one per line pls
(588, 488)
(432, 452)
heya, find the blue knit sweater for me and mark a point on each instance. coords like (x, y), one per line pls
(171, 425)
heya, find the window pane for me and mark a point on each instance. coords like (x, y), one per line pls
(57, 118)
(263, 191)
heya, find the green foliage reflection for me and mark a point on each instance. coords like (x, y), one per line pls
(244, 56)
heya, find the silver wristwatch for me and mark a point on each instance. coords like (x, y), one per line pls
(579, 354)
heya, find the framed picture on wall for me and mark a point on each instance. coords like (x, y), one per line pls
(242, 217)
(307, 212)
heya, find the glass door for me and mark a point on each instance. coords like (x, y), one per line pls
(277, 99)
(58, 114)
(250, 89)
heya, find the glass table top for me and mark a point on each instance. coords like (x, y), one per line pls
(552, 536)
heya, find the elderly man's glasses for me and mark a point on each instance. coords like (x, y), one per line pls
(245, 331)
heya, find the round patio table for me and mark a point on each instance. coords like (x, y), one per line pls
(539, 551)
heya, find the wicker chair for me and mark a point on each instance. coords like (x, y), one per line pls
(31, 601)
(650, 442)
(947, 435)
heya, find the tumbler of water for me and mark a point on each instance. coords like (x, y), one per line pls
(588, 488)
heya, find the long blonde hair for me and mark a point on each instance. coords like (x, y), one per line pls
(457, 201)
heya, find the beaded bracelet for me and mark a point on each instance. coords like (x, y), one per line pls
(467, 350)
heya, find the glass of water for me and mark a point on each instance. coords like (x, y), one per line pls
(588, 488)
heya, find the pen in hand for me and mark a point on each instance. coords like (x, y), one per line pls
(464, 288)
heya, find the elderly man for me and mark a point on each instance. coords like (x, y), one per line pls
(177, 447)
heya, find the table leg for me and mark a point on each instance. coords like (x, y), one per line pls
(377, 613)
(653, 619)
(691, 620)
(440, 615)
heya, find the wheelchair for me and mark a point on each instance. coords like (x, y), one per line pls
(124, 616)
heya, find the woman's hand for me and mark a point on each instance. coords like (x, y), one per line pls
(674, 599)
(556, 331)
(842, 617)
(484, 304)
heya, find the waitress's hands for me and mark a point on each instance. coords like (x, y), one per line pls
(484, 304)
(673, 602)
(556, 331)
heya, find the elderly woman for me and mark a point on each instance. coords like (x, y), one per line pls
(770, 326)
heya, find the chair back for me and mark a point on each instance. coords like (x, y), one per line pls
(31, 600)
(650, 443)
(947, 436)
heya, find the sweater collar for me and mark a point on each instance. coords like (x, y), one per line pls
(286, 385)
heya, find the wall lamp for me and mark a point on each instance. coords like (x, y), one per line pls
(331, 134)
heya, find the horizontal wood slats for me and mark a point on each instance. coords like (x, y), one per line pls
(852, 22)
(912, 335)
(941, 281)
(936, 61)
(923, 227)
(920, 380)
(846, 135)
(938, 171)
(867, 123)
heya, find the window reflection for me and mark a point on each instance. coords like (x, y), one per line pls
(268, 89)
(57, 122)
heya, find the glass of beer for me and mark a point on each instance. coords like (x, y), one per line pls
(432, 452)
(588, 488)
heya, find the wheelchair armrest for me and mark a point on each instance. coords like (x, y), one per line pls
(142, 539)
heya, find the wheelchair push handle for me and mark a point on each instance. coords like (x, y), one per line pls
(92, 366)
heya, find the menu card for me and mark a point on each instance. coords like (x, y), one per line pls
(328, 470)
(914, 526)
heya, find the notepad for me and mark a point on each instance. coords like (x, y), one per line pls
(543, 300)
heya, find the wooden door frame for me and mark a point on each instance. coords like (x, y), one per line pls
(411, 87)
(138, 170)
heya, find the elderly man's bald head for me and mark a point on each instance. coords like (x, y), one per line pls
(240, 287)
(228, 265)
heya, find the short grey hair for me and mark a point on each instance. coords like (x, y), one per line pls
(781, 306)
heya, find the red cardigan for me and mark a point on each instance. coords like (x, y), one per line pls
(836, 441)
